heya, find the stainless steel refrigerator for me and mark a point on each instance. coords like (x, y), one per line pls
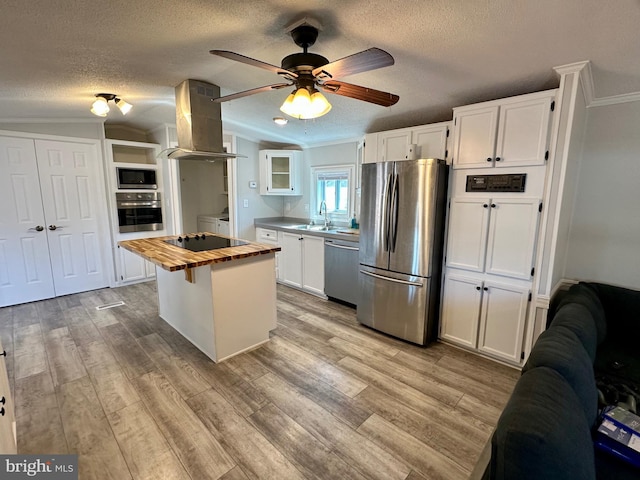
(402, 215)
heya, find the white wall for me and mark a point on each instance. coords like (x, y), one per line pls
(604, 242)
(260, 206)
(338, 154)
(202, 190)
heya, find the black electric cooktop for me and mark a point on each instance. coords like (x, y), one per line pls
(200, 243)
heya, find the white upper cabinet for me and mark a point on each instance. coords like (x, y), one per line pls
(280, 172)
(430, 142)
(495, 236)
(503, 133)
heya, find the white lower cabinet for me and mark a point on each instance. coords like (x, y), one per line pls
(485, 315)
(134, 268)
(270, 237)
(302, 262)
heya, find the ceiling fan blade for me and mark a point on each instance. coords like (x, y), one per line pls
(253, 62)
(358, 62)
(365, 94)
(253, 91)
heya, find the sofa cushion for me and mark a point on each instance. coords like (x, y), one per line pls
(622, 311)
(560, 349)
(578, 319)
(586, 295)
(542, 432)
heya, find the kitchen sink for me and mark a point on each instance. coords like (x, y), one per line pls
(314, 227)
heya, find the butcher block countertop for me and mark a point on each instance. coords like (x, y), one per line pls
(173, 258)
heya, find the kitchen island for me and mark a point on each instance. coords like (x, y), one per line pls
(222, 300)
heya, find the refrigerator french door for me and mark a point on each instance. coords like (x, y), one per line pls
(401, 236)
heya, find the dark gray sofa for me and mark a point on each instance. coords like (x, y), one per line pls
(545, 430)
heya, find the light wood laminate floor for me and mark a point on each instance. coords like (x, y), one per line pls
(325, 398)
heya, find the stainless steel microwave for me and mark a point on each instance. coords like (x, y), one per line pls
(129, 178)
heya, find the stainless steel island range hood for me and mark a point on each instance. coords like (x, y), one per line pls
(199, 123)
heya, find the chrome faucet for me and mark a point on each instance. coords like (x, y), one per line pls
(326, 217)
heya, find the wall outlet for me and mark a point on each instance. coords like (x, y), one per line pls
(245, 203)
(253, 184)
(306, 207)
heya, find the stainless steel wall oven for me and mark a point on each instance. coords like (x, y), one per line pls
(139, 212)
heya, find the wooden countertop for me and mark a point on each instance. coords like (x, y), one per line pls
(174, 258)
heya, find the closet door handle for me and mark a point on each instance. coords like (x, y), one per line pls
(37, 228)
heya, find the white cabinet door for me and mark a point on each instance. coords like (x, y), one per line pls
(461, 310)
(467, 236)
(280, 172)
(25, 269)
(502, 320)
(392, 145)
(431, 141)
(511, 133)
(291, 259)
(523, 133)
(512, 237)
(133, 267)
(475, 137)
(313, 264)
(149, 269)
(370, 148)
(69, 176)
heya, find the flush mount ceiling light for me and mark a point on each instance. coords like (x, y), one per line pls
(101, 106)
(280, 120)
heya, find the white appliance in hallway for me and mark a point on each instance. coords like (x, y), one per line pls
(401, 242)
(51, 207)
(214, 223)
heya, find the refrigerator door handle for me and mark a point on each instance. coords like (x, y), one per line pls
(394, 208)
(394, 280)
(387, 212)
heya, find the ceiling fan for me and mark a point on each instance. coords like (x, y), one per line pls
(310, 72)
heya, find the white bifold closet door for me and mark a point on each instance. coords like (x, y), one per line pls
(50, 230)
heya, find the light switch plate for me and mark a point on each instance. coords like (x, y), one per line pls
(245, 203)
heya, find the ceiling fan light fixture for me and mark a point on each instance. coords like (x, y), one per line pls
(123, 106)
(319, 105)
(304, 105)
(100, 107)
(287, 106)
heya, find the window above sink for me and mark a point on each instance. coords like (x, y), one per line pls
(335, 185)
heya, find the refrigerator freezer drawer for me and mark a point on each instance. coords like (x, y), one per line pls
(397, 304)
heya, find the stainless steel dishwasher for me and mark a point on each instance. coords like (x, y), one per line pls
(341, 270)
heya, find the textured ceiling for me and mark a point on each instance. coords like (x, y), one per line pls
(56, 55)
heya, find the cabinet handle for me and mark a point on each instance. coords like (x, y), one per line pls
(478, 288)
(498, 159)
(3, 354)
(486, 205)
(2, 412)
(489, 159)
(493, 205)
(486, 289)
(3, 400)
